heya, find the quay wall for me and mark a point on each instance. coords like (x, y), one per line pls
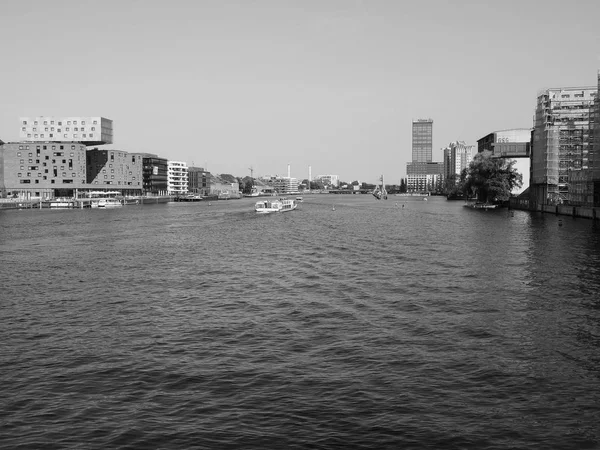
(585, 212)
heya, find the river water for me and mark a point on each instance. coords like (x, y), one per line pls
(348, 323)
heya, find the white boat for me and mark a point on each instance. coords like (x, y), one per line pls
(288, 205)
(268, 206)
(299, 199)
(108, 203)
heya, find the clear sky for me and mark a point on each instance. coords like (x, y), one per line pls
(334, 84)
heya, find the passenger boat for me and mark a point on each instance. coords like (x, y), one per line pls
(288, 205)
(268, 206)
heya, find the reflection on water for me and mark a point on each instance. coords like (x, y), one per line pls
(369, 326)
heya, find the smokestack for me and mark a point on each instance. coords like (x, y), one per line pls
(289, 176)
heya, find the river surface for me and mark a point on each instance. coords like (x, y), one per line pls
(348, 323)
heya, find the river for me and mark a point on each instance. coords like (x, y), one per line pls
(348, 323)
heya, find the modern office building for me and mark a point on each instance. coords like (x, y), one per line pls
(514, 145)
(42, 169)
(115, 168)
(154, 174)
(422, 140)
(457, 156)
(561, 146)
(87, 130)
(422, 174)
(177, 178)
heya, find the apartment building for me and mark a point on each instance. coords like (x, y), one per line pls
(457, 156)
(42, 169)
(562, 145)
(177, 178)
(115, 168)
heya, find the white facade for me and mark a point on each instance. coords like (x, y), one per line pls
(457, 157)
(331, 180)
(177, 177)
(87, 130)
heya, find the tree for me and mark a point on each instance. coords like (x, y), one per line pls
(490, 179)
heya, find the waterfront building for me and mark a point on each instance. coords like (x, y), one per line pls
(177, 178)
(514, 145)
(328, 180)
(85, 130)
(424, 176)
(31, 170)
(562, 145)
(115, 168)
(154, 174)
(422, 140)
(457, 157)
(422, 173)
(282, 185)
(198, 181)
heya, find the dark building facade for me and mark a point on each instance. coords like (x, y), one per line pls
(154, 175)
(198, 181)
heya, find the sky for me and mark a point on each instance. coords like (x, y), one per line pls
(332, 84)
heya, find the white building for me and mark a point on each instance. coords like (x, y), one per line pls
(457, 157)
(282, 185)
(328, 180)
(177, 178)
(87, 130)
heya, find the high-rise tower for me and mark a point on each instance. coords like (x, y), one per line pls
(422, 140)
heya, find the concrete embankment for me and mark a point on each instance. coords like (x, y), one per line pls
(585, 212)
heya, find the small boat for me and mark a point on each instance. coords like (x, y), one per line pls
(268, 206)
(299, 199)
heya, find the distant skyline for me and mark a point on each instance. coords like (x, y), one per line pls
(334, 84)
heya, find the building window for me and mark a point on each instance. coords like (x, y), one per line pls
(42, 135)
(60, 123)
(83, 122)
(24, 122)
(35, 123)
(93, 128)
(46, 129)
(28, 135)
(74, 122)
(45, 122)
(68, 123)
(65, 135)
(18, 153)
(91, 134)
(75, 135)
(23, 129)
(95, 122)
